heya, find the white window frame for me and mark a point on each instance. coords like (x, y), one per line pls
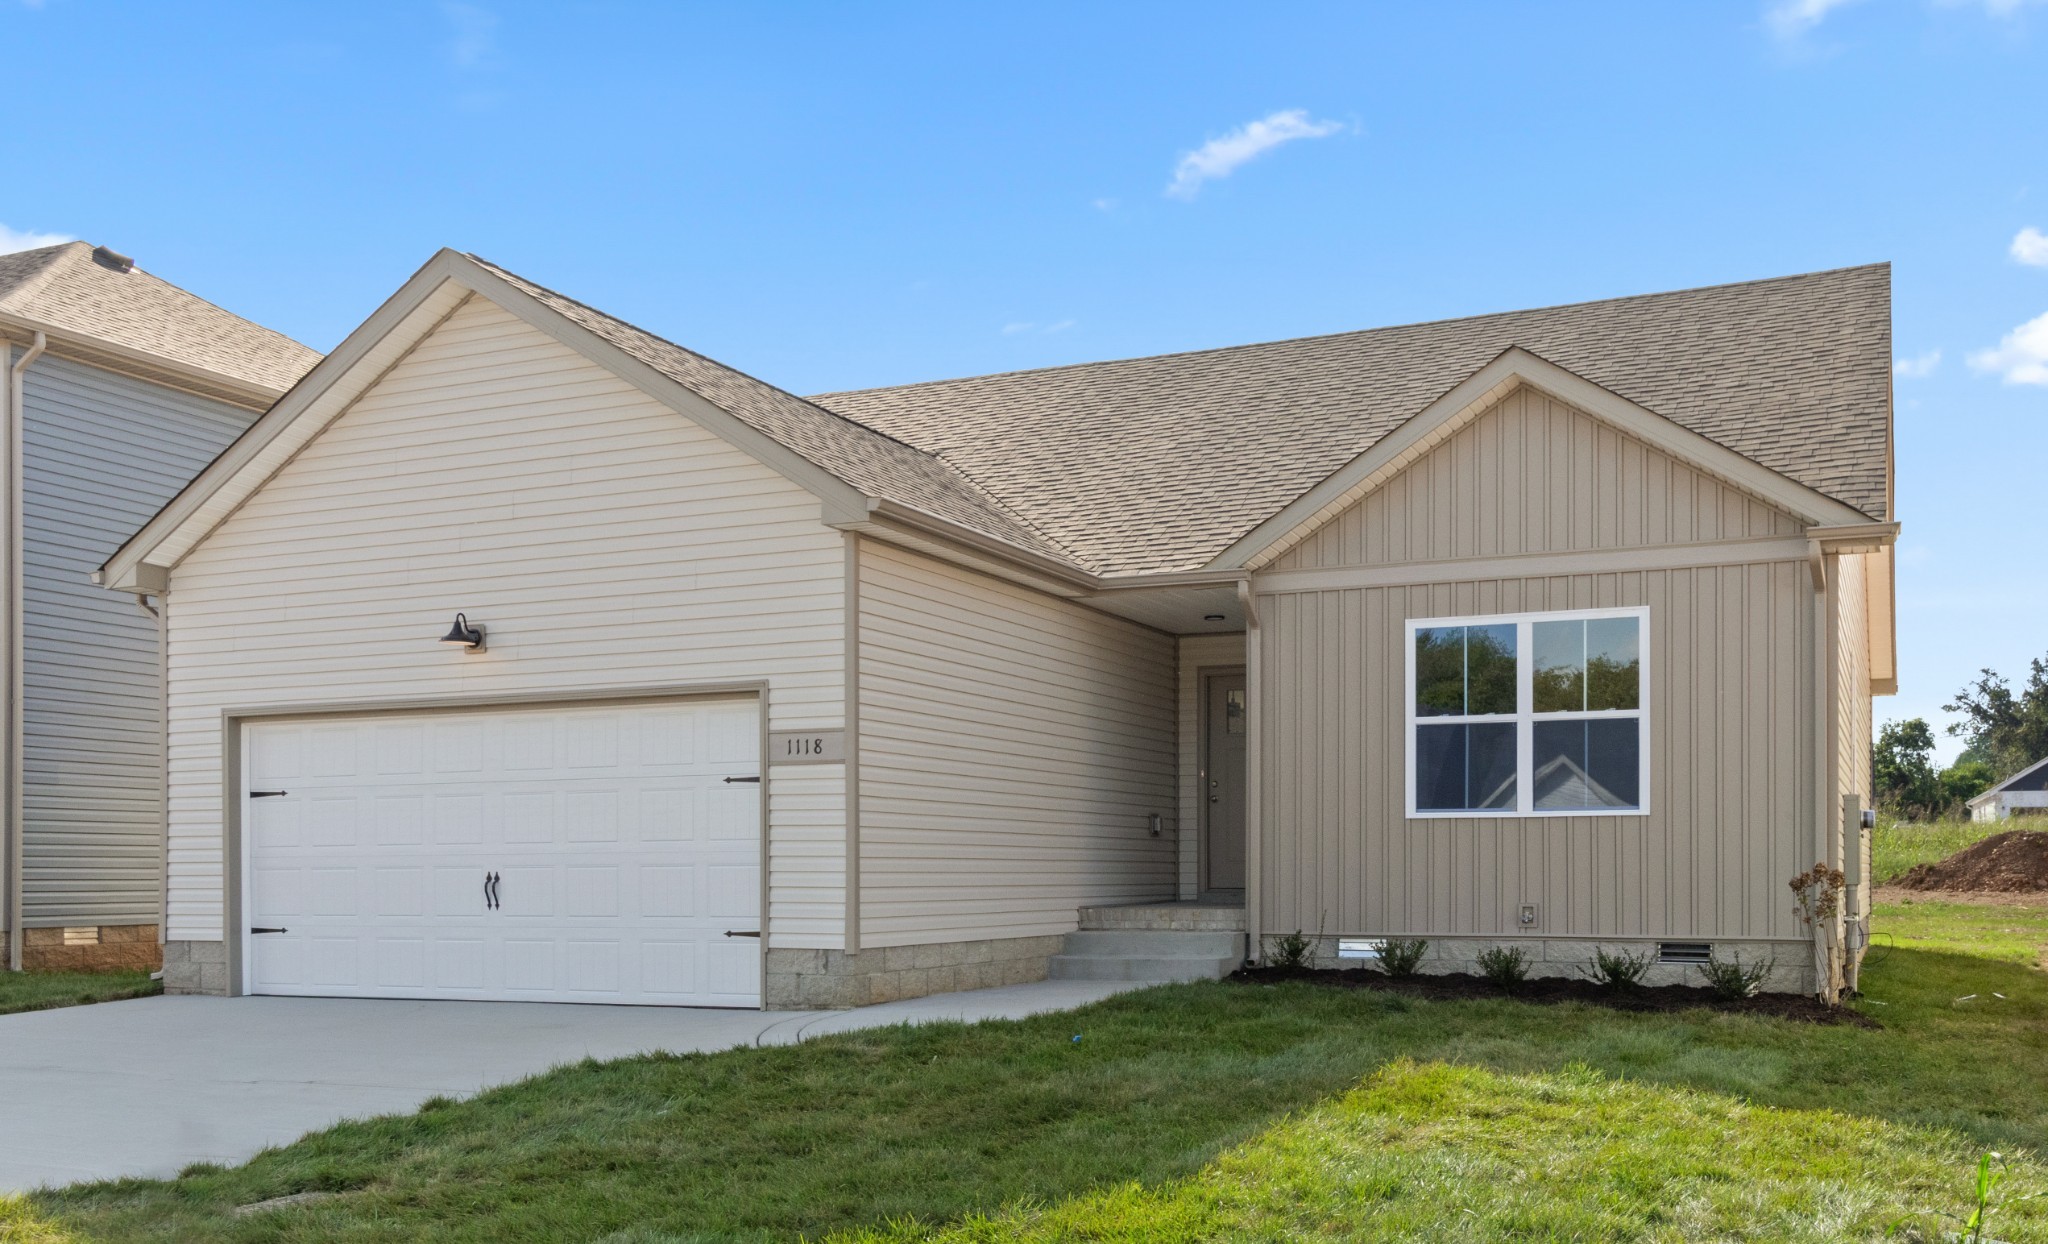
(1525, 717)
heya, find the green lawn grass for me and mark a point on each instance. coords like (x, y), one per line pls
(1207, 1112)
(39, 991)
(1897, 845)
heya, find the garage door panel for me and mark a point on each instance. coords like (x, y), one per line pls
(621, 855)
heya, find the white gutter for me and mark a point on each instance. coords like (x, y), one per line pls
(11, 648)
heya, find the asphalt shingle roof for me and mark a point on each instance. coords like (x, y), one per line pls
(1162, 463)
(66, 287)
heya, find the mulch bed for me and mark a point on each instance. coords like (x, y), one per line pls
(1555, 989)
(2014, 862)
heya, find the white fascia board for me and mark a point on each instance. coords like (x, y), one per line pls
(155, 368)
(1465, 401)
(240, 469)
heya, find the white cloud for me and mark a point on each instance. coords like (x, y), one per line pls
(2021, 356)
(1788, 19)
(475, 33)
(1220, 157)
(2030, 247)
(1019, 326)
(1104, 205)
(1917, 367)
(1060, 326)
(12, 240)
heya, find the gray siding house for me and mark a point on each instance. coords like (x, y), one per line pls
(122, 386)
(519, 653)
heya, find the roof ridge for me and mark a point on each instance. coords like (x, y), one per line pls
(44, 275)
(1353, 332)
(264, 328)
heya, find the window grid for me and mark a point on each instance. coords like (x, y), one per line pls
(1525, 718)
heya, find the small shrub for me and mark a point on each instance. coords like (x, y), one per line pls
(1731, 978)
(1505, 966)
(1402, 956)
(1618, 969)
(1292, 950)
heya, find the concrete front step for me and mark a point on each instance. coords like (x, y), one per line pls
(1192, 917)
(1140, 968)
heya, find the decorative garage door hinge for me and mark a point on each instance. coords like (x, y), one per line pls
(731, 779)
(267, 794)
(270, 930)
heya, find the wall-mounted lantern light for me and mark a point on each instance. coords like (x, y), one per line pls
(463, 635)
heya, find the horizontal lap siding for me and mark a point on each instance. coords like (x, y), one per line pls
(605, 542)
(1012, 749)
(1532, 475)
(1732, 744)
(103, 452)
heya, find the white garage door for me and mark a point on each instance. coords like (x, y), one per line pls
(588, 854)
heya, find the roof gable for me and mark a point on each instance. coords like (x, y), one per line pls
(1163, 463)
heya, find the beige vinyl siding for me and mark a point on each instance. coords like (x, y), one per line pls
(1012, 748)
(1197, 653)
(604, 540)
(102, 451)
(1532, 475)
(1733, 765)
(1730, 791)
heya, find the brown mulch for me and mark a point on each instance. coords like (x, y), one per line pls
(1555, 989)
(2014, 862)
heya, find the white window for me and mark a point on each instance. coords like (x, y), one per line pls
(1533, 714)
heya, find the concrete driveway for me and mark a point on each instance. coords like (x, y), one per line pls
(149, 1086)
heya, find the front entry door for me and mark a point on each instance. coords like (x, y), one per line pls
(1223, 735)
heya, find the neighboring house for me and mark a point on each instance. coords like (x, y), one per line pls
(125, 386)
(1556, 627)
(2023, 794)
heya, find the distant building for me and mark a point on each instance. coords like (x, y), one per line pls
(2023, 794)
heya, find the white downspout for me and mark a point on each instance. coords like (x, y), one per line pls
(1254, 795)
(11, 676)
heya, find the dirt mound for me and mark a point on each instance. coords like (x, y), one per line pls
(2015, 862)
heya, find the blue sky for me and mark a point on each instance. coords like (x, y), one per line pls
(843, 196)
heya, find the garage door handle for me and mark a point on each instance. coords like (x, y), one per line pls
(491, 891)
(744, 779)
(743, 932)
(270, 930)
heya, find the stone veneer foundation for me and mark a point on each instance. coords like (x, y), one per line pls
(196, 967)
(120, 946)
(797, 979)
(804, 979)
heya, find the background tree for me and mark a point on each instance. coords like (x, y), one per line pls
(1902, 769)
(2007, 728)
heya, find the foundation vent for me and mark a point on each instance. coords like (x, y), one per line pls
(89, 935)
(1684, 952)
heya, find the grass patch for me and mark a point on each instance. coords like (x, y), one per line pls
(1177, 1100)
(2011, 932)
(1896, 846)
(41, 991)
(1439, 1152)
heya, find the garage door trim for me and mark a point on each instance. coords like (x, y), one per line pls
(234, 850)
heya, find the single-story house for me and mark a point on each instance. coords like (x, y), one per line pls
(520, 653)
(118, 388)
(2023, 794)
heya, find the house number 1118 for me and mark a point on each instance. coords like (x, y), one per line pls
(806, 747)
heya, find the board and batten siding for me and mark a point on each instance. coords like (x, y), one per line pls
(1733, 753)
(1533, 475)
(1013, 747)
(102, 452)
(605, 541)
